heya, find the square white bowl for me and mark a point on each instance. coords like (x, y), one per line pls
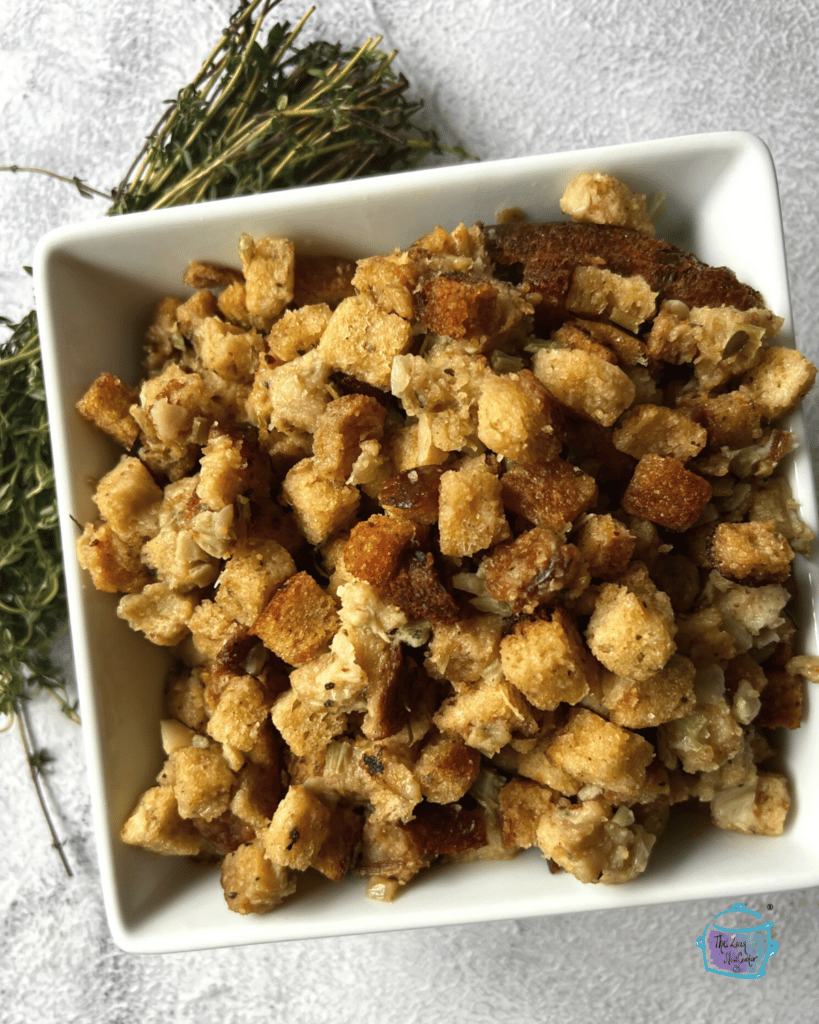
(96, 284)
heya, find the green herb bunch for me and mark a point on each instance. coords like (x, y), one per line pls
(262, 114)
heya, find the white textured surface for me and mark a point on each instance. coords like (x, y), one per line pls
(80, 83)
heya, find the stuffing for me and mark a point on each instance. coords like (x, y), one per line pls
(464, 548)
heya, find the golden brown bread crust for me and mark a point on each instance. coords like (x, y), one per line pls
(545, 256)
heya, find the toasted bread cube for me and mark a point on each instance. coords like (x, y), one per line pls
(522, 804)
(340, 848)
(289, 397)
(781, 701)
(362, 340)
(732, 419)
(306, 729)
(525, 571)
(176, 559)
(628, 301)
(758, 808)
(587, 840)
(486, 715)
(516, 418)
(603, 754)
(249, 578)
(159, 612)
(374, 549)
(631, 630)
(418, 591)
(606, 545)
(155, 825)
(657, 430)
(269, 268)
(297, 830)
(204, 274)
(461, 651)
(778, 381)
(321, 507)
(662, 697)
(251, 883)
(751, 552)
(107, 404)
(322, 279)
(413, 494)
(550, 494)
(665, 492)
(588, 385)
(370, 772)
(410, 446)
(340, 431)
(298, 330)
(548, 661)
(389, 852)
(191, 313)
(470, 511)
(298, 621)
(185, 696)
(202, 782)
(459, 304)
(163, 338)
(228, 350)
(128, 499)
(113, 565)
(240, 712)
(260, 790)
(772, 499)
(597, 198)
(446, 769)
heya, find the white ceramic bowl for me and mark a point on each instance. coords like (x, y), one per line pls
(96, 283)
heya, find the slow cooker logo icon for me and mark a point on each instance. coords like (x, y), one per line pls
(738, 951)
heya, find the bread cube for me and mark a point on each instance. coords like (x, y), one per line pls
(163, 338)
(228, 350)
(322, 279)
(703, 740)
(298, 330)
(522, 803)
(362, 340)
(297, 830)
(240, 712)
(113, 565)
(525, 571)
(375, 548)
(631, 630)
(547, 660)
(751, 552)
(252, 884)
(461, 651)
(588, 840)
(389, 852)
(298, 621)
(732, 419)
(191, 312)
(320, 506)
(107, 404)
(413, 494)
(606, 545)
(665, 492)
(306, 728)
(516, 418)
(758, 808)
(662, 697)
(269, 268)
(657, 430)
(202, 782)
(372, 773)
(159, 612)
(344, 425)
(778, 381)
(549, 494)
(128, 500)
(588, 385)
(418, 591)
(340, 848)
(781, 701)
(446, 769)
(600, 753)
(255, 570)
(156, 825)
(486, 715)
(470, 511)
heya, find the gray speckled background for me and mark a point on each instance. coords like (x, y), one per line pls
(80, 84)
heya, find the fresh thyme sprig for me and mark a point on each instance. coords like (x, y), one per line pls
(268, 114)
(262, 114)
